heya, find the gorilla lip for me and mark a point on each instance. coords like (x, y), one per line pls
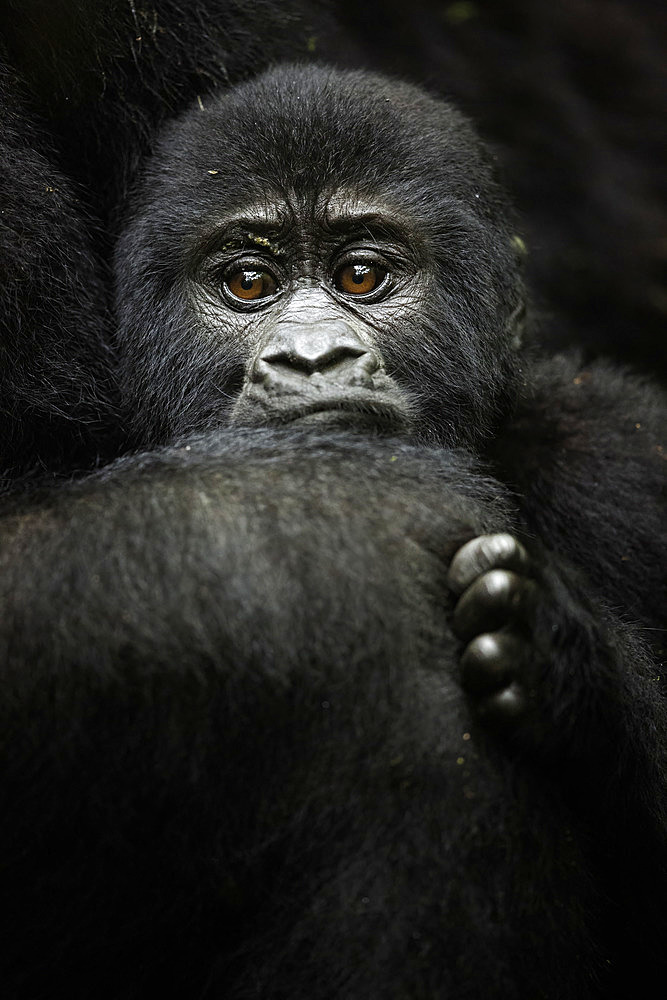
(381, 417)
(382, 413)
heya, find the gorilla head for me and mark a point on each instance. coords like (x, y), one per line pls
(321, 247)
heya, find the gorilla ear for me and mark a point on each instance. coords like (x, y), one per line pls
(516, 325)
(519, 245)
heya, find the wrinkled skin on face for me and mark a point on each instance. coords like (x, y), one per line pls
(323, 247)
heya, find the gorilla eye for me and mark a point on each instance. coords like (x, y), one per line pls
(248, 284)
(358, 279)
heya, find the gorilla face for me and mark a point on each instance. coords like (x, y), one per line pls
(306, 286)
(319, 247)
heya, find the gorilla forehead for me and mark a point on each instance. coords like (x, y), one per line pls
(306, 132)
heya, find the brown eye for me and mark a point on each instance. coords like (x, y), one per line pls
(248, 285)
(357, 279)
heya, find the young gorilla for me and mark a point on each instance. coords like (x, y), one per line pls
(332, 249)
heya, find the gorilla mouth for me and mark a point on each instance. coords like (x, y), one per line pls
(382, 416)
(377, 411)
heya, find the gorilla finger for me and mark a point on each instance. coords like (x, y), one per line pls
(493, 600)
(486, 552)
(502, 710)
(490, 662)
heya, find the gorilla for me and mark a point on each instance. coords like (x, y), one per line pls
(346, 684)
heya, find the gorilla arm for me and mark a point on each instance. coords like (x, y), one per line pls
(233, 713)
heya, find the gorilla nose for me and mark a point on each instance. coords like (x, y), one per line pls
(301, 349)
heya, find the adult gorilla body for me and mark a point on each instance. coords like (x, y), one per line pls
(240, 761)
(343, 266)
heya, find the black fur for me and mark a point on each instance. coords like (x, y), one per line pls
(582, 447)
(104, 74)
(239, 761)
(161, 663)
(56, 368)
(84, 86)
(571, 96)
(568, 438)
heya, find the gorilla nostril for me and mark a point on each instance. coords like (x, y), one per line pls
(310, 361)
(367, 364)
(332, 350)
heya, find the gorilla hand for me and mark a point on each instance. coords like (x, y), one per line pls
(494, 614)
